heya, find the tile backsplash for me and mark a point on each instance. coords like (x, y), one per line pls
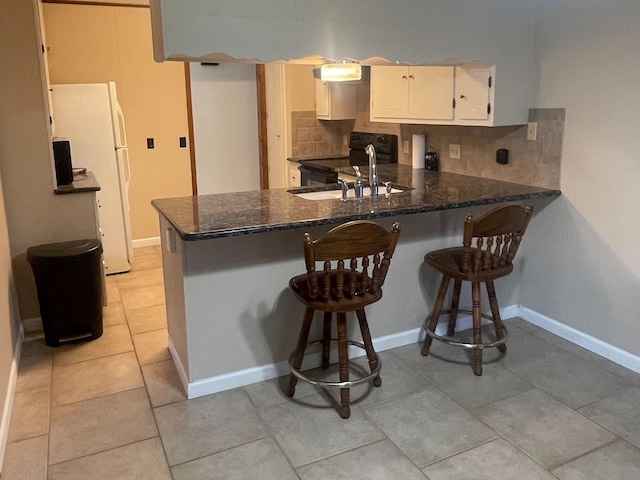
(311, 137)
(531, 162)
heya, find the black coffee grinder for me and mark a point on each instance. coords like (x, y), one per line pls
(431, 161)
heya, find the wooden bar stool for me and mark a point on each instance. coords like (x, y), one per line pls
(339, 289)
(497, 237)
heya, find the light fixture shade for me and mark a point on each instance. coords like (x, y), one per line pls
(340, 72)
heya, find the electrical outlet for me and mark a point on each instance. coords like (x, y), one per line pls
(405, 146)
(345, 139)
(532, 130)
(454, 151)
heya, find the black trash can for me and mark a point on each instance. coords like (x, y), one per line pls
(69, 283)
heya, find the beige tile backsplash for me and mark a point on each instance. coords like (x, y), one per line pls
(530, 162)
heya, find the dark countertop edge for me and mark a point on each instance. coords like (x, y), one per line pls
(234, 232)
(82, 183)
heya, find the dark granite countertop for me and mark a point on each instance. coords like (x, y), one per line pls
(82, 183)
(227, 214)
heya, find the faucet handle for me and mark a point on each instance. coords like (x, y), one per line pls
(345, 188)
(388, 187)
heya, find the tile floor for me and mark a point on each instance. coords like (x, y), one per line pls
(114, 409)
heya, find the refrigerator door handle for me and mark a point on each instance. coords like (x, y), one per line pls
(127, 165)
(122, 134)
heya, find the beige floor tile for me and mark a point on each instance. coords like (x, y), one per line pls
(34, 372)
(142, 251)
(111, 287)
(619, 460)
(152, 347)
(620, 413)
(26, 460)
(133, 298)
(457, 380)
(100, 424)
(113, 314)
(379, 460)
(163, 383)
(145, 262)
(139, 461)
(141, 278)
(531, 419)
(307, 434)
(496, 460)
(146, 319)
(429, 426)
(207, 425)
(261, 459)
(271, 392)
(115, 339)
(30, 414)
(95, 378)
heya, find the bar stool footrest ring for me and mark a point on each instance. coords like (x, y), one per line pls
(450, 341)
(348, 384)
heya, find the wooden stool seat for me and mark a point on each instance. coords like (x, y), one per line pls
(449, 261)
(497, 236)
(347, 281)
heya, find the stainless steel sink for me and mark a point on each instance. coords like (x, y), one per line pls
(331, 193)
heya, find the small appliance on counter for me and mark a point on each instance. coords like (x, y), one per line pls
(62, 161)
(431, 161)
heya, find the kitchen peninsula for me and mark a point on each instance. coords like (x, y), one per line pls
(228, 258)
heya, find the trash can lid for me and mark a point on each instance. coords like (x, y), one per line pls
(64, 251)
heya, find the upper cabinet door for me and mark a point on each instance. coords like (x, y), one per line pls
(431, 93)
(412, 93)
(473, 93)
(335, 101)
(389, 92)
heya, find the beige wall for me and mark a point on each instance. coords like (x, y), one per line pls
(89, 44)
(8, 324)
(301, 87)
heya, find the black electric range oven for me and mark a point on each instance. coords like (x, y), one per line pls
(314, 172)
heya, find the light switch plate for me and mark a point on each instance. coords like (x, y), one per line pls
(532, 131)
(405, 146)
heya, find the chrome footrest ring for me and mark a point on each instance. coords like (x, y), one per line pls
(450, 341)
(323, 383)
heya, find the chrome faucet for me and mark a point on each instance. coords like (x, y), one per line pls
(345, 188)
(357, 186)
(373, 169)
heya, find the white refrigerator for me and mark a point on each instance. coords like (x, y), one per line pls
(89, 116)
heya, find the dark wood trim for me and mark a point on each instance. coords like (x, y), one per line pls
(99, 4)
(262, 127)
(192, 145)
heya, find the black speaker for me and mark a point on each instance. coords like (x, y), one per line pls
(62, 160)
(502, 156)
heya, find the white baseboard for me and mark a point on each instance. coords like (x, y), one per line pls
(595, 345)
(146, 242)
(32, 324)
(261, 373)
(8, 401)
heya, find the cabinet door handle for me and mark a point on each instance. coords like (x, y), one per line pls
(411, 77)
(404, 77)
(462, 96)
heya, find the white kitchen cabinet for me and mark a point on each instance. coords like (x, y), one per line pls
(294, 175)
(412, 94)
(335, 101)
(461, 95)
(474, 95)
